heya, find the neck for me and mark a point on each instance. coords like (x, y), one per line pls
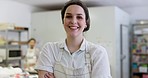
(31, 47)
(74, 44)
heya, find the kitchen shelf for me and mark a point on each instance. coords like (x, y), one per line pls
(12, 45)
(139, 51)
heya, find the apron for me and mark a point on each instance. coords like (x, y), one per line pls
(30, 56)
(61, 71)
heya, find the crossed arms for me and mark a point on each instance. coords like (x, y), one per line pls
(45, 74)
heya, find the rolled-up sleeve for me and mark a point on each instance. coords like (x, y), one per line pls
(46, 59)
(100, 66)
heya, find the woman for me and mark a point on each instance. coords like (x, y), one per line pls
(32, 55)
(75, 57)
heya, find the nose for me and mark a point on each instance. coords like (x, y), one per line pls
(73, 20)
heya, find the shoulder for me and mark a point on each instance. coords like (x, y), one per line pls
(95, 46)
(96, 49)
(51, 47)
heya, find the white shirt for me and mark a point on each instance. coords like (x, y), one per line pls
(99, 58)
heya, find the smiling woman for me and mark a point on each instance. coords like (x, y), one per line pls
(75, 57)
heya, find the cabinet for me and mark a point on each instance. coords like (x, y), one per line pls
(11, 42)
(139, 55)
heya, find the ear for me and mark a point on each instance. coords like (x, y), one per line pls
(86, 26)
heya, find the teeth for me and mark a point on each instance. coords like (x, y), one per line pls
(72, 27)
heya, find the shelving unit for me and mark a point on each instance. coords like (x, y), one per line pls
(139, 51)
(13, 41)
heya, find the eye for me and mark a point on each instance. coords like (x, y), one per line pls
(68, 16)
(79, 17)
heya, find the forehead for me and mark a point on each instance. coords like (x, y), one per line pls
(74, 9)
(31, 41)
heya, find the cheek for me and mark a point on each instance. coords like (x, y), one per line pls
(83, 24)
(65, 22)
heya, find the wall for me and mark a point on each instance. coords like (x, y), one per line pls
(47, 26)
(137, 13)
(121, 18)
(102, 31)
(105, 25)
(14, 12)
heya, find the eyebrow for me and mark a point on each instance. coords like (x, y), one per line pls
(71, 14)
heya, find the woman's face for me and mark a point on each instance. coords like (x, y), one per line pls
(32, 43)
(74, 20)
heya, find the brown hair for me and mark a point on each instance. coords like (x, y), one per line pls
(80, 3)
(32, 39)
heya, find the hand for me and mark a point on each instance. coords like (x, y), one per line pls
(48, 75)
(45, 74)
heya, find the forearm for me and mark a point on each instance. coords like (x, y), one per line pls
(45, 74)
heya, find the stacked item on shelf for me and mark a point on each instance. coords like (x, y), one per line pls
(2, 40)
(4, 26)
(2, 55)
(139, 44)
(20, 28)
(10, 26)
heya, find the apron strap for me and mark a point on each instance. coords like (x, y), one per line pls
(88, 58)
(88, 61)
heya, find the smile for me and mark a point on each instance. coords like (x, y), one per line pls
(73, 27)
